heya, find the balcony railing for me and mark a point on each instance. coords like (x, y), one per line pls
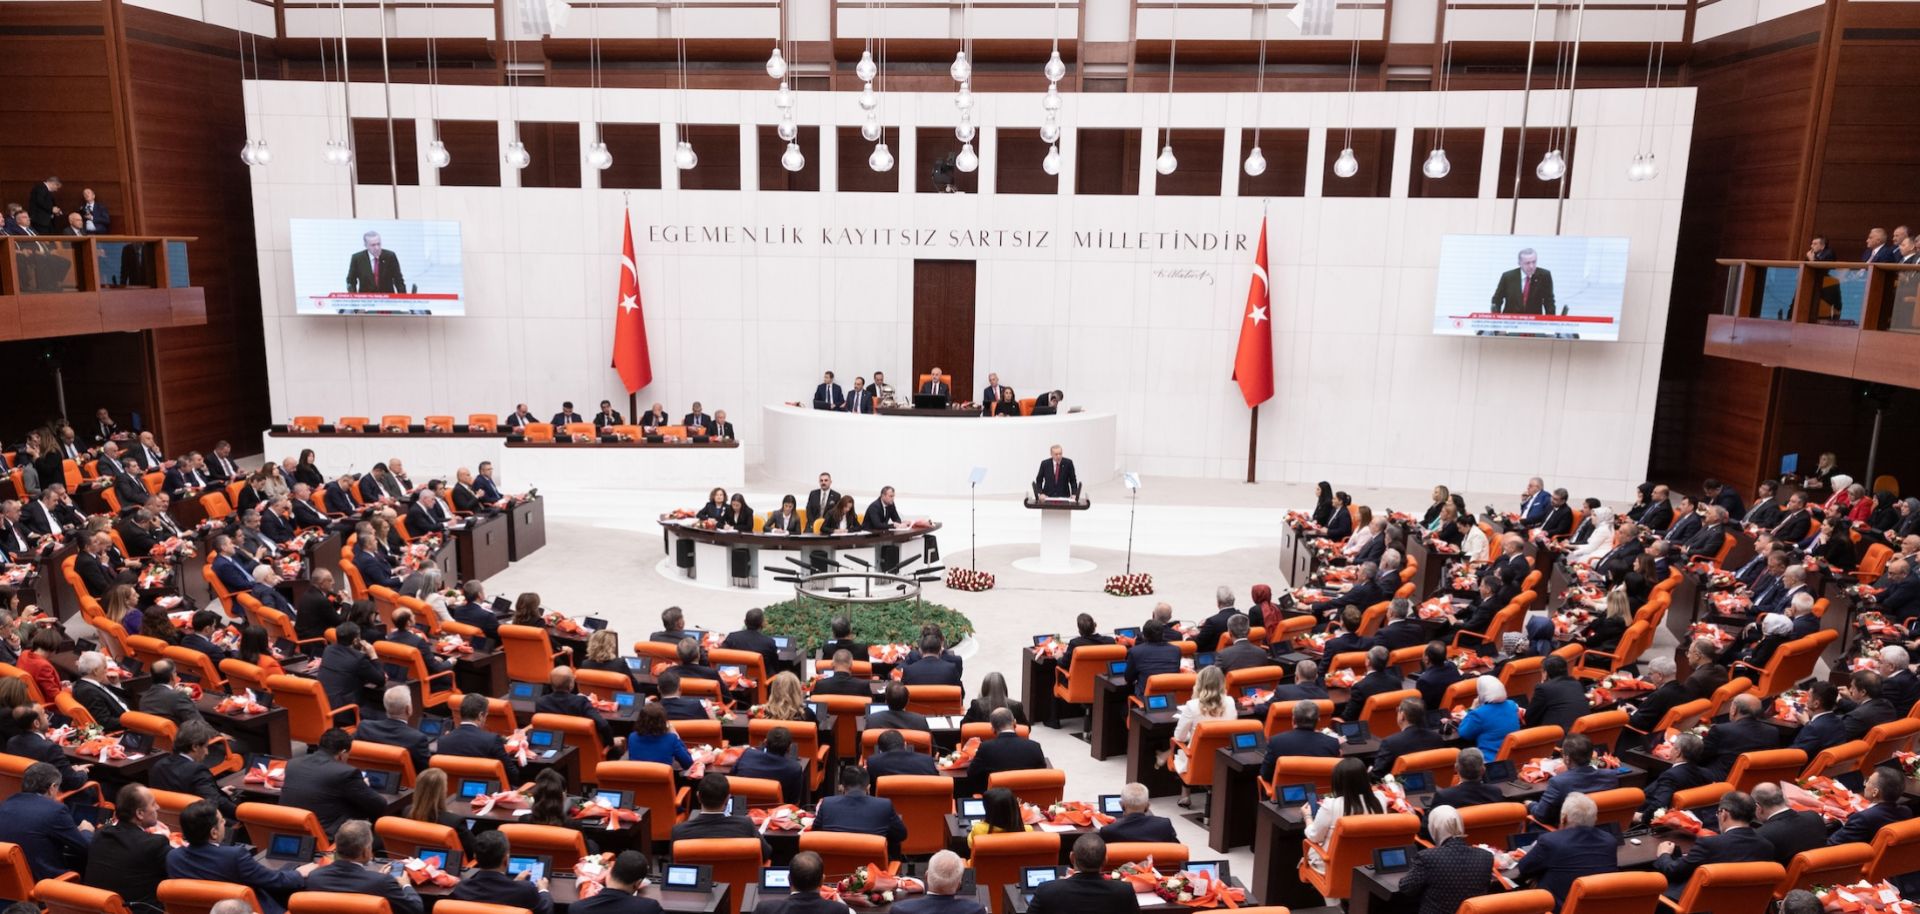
(52, 285)
(1855, 320)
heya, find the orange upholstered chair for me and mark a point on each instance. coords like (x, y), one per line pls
(1436, 762)
(1883, 740)
(581, 430)
(1896, 851)
(543, 431)
(1162, 854)
(602, 684)
(1602, 728)
(1521, 676)
(760, 792)
(172, 803)
(1351, 846)
(581, 734)
(405, 837)
(1209, 737)
(1178, 687)
(751, 664)
(63, 896)
(1791, 664)
(998, 859)
(16, 876)
(483, 422)
(1381, 712)
(1681, 716)
(1529, 743)
(373, 756)
(1293, 769)
(1491, 823)
(439, 423)
(846, 711)
(195, 667)
(918, 740)
(436, 689)
(461, 766)
(1617, 805)
(1040, 786)
(1835, 761)
(923, 802)
(984, 730)
(1729, 887)
(337, 903)
(198, 896)
(264, 820)
(699, 732)
(735, 861)
(1076, 684)
(842, 852)
(530, 655)
(1615, 893)
(395, 421)
(653, 787)
(1258, 677)
(565, 845)
(1280, 715)
(309, 713)
(353, 423)
(1840, 864)
(1764, 766)
(1525, 901)
(1700, 798)
(936, 700)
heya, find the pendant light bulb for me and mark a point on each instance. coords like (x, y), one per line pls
(437, 155)
(787, 129)
(516, 155)
(776, 65)
(1346, 166)
(599, 156)
(684, 157)
(261, 154)
(1256, 164)
(1051, 164)
(965, 132)
(793, 159)
(246, 154)
(967, 160)
(1436, 166)
(1166, 163)
(783, 96)
(865, 69)
(1050, 131)
(963, 99)
(869, 99)
(961, 70)
(882, 158)
(1051, 101)
(1056, 68)
(1551, 166)
(1651, 169)
(1637, 169)
(870, 131)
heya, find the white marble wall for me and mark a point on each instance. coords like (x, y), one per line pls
(1366, 395)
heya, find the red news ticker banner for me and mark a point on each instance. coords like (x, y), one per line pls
(1543, 318)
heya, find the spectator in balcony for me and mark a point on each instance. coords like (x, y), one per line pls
(75, 226)
(1879, 248)
(1818, 251)
(43, 208)
(93, 214)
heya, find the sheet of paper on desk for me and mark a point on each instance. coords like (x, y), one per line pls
(1056, 829)
(1148, 899)
(944, 723)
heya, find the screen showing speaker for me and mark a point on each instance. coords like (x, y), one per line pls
(377, 266)
(1564, 287)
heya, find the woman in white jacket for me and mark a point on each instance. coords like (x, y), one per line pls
(1599, 542)
(1209, 702)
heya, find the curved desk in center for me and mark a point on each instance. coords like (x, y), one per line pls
(705, 558)
(931, 455)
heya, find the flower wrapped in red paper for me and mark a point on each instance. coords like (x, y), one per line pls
(1864, 898)
(1682, 821)
(960, 757)
(1077, 813)
(104, 748)
(590, 874)
(451, 644)
(613, 816)
(1719, 636)
(1140, 874)
(1730, 603)
(243, 703)
(1540, 770)
(1791, 706)
(1343, 678)
(566, 626)
(1052, 648)
(266, 774)
(422, 872)
(1436, 609)
(887, 653)
(785, 817)
(155, 576)
(871, 885)
(1824, 796)
(516, 798)
(734, 680)
(1470, 663)
(1199, 890)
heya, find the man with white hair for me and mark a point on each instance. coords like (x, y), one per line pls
(1402, 629)
(1577, 849)
(266, 589)
(1445, 875)
(1135, 823)
(1800, 613)
(944, 872)
(1897, 682)
(96, 694)
(398, 729)
(1743, 731)
(1216, 624)
(1790, 831)
(1534, 502)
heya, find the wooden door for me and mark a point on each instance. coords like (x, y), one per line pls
(943, 324)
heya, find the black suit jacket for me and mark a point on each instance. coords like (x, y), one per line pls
(1418, 739)
(1056, 485)
(816, 510)
(473, 742)
(880, 515)
(1557, 702)
(790, 773)
(1139, 826)
(1241, 655)
(758, 642)
(318, 612)
(1793, 831)
(350, 677)
(837, 684)
(1657, 703)
(1725, 741)
(1404, 633)
(1084, 893)
(399, 733)
(829, 397)
(860, 813)
(348, 876)
(496, 887)
(1466, 793)
(333, 791)
(612, 901)
(32, 745)
(101, 702)
(702, 824)
(1866, 716)
(1006, 751)
(1863, 825)
(900, 761)
(1539, 293)
(128, 862)
(360, 276)
(176, 772)
(1822, 732)
(1736, 845)
(1309, 743)
(1213, 627)
(1374, 683)
(94, 574)
(930, 670)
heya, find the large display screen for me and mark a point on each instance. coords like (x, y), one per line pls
(377, 266)
(1547, 286)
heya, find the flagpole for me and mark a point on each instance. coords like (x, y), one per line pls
(633, 396)
(1253, 423)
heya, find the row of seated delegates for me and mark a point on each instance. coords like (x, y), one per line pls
(1899, 247)
(697, 422)
(996, 399)
(842, 515)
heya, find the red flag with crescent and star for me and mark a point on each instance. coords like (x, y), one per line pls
(630, 322)
(1253, 361)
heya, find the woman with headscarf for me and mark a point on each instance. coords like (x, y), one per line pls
(1264, 611)
(1842, 498)
(1539, 635)
(1758, 641)
(1323, 503)
(1885, 515)
(1600, 541)
(1862, 504)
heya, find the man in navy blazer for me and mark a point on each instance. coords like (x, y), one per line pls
(617, 897)
(336, 496)
(1304, 687)
(42, 826)
(774, 762)
(395, 729)
(930, 668)
(1414, 736)
(562, 699)
(1403, 630)
(891, 757)
(676, 706)
(1883, 791)
(860, 398)
(1737, 842)
(490, 883)
(1870, 708)
(896, 716)
(1135, 823)
(1577, 849)
(352, 851)
(1743, 731)
(827, 394)
(857, 812)
(1381, 678)
(227, 569)
(1534, 503)
(944, 872)
(322, 781)
(804, 875)
(476, 611)
(1559, 699)
(1470, 788)
(1824, 727)
(1006, 751)
(1790, 831)
(1088, 889)
(1689, 772)
(1151, 656)
(205, 857)
(469, 739)
(1304, 739)
(1580, 777)
(373, 569)
(1215, 625)
(32, 742)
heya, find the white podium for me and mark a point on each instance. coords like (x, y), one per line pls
(1056, 538)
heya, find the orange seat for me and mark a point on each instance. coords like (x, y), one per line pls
(66, 704)
(264, 820)
(1350, 660)
(1883, 740)
(1601, 664)
(1076, 684)
(699, 732)
(1164, 855)
(1280, 715)
(367, 755)
(1529, 743)
(1521, 676)
(1255, 677)
(483, 422)
(1381, 712)
(244, 676)
(198, 896)
(581, 734)
(1791, 664)
(195, 666)
(735, 861)
(337, 903)
(309, 713)
(1436, 762)
(439, 423)
(580, 430)
(530, 655)
(654, 788)
(461, 766)
(1407, 659)
(1618, 805)
(1525, 901)
(1835, 761)
(1701, 797)
(998, 858)
(215, 505)
(63, 896)
(1840, 864)
(846, 711)
(1615, 893)
(1896, 851)
(843, 852)
(436, 689)
(1603, 728)
(936, 700)
(752, 665)
(1374, 617)
(1293, 769)
(760, 792)
(1351, 846)
(923, 802)
(1726, 693)
(1682, 716)
(1872, 563)
(1726, 887)
(1040, 786)
(1459, 695)
(602, 684)
(456, 906)
(172, 803)
(405, 837)
(565, 845)
(1492, 823)
(1766, 766)
(16, 875)
(1204, 745)
(1178, 687)
(984, 730)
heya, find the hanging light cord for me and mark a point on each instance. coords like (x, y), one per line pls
(1260, 71)
(1446, 71)
(1173, 58)
(1353, 79)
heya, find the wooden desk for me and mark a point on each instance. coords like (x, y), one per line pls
(750, 899)
(483, 671)
(1148, 732)
(483, 546)
(269, 731)
(1231, 805)
(526, 528)
(1276, 859)
(1036, 685)
(1108, 736)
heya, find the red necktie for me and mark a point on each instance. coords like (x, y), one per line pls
(376, 276)
(1526, 283)
(1056, 471)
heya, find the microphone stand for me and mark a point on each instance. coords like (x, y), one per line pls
(973, 524)
(1133, 508)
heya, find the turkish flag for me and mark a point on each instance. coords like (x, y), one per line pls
(1253, 361)
(630, 322)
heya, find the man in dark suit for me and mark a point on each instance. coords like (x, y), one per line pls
(91, 565)
(1526, 289)
(405, 632)
(35, 819)
(677, 707)
(1790, 831)
(1897, 683)
(1056, 479)
(352, 851)
(751, 638)
(1577, 849)
(1743, 731)
(1882, 791)
(32, 742)
(43, 208)
(103, 702)
(1557, 520)
(374, 270)
(1006, 751)
(721, 428)
(1869, 708)
(1402, 629)
(1088, 890)
(1089, 634)
(428, 513)
(1135, 822)
(490, 883)
(338, 497)
(991, 392)
(774, 761)
(322, 781)
(1151, 656)
(561, 698)
(1688, 772)
(1305, 739)
(1878, 250)
(206, 856)
(624, 879)
(936, 385)
(1380, 679)
(1580, 777)
(944, 873)
(1212, 627)
(1437, 674)
(1558, 700)
(397, 729)
(565, 416)
(1737, 842)
(1795, 521)
(1668, 691)
(711, 819)
(468, 738)
(125, 858)
(1470, 787)
(350, 672)
(821, 500)
(827, 395)
(930, 668)
(184, 770)
(1364, 593)
(860, 398)
(607, 417)
(1241, 653)
(857, 812)
(892, 756)
(842, 681)
(881, 515)
(1824, 728)
(373, 567)
(697, 421)
(205, 625)
(1306, 685)
(164, 697)
(93, 214)
(804, 875)
(522, 417)
(896, 716)
(474, 610)
(1414, 736)
(319, 607)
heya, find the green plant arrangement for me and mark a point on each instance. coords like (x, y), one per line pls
(810, 621)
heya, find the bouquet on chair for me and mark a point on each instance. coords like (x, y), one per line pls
(872, 885)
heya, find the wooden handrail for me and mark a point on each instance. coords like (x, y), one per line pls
(86, 258)
(1880, 280)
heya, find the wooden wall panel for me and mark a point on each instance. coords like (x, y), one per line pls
(943, 323)
(58, 108)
